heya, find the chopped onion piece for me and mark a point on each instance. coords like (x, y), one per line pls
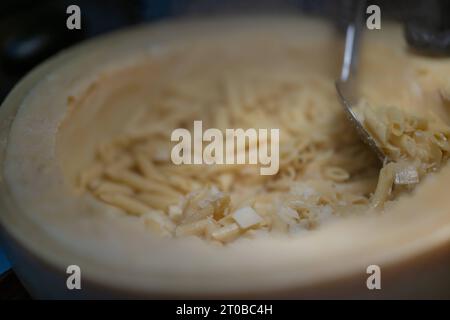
(407, 175)
(226, 233)
(246, 217)
(197, 228)
(158, 222)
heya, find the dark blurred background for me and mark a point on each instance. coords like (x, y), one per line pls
(31, 31)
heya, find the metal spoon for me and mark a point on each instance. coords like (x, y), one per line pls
(345, 86)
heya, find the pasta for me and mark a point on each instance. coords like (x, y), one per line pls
(325, 171)
(414, 146)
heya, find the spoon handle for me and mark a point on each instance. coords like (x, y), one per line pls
(352, 39)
